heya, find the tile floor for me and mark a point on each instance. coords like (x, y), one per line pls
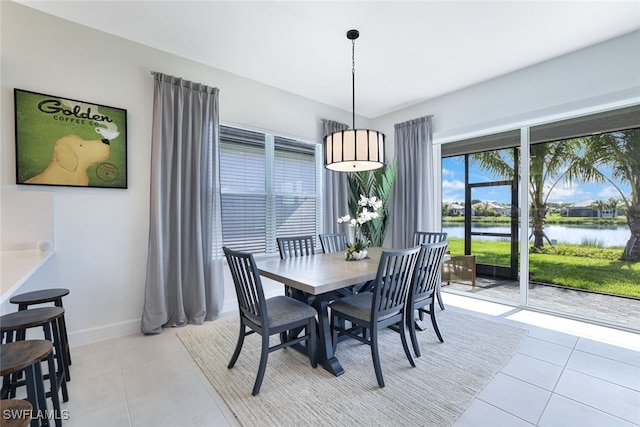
(566, 373)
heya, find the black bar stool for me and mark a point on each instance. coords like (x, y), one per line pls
(44, 296)
(14, 325)
(25, 356)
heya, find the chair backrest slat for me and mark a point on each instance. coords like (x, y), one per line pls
(422, 237)
(393, 280)
(334, 242)
(291, 247)
(428, 269)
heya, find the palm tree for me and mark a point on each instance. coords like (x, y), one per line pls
(619, 151)
(614, 205)
(550, 164)
(599, 206)
(446, 208)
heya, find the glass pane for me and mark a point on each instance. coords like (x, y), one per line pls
(244, 222)
(582, 190)
(491, 226)
(294, 167)
(296, 216)
(477, 214)
(242, 168)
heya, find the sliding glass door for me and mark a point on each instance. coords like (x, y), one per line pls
(581, 187)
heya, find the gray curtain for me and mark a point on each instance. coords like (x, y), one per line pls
(184, 281)
(414, 190)
(336, 201)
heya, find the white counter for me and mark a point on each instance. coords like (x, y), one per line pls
(17, 266)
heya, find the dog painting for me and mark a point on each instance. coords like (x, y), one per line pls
(71, 157)
(67, 142)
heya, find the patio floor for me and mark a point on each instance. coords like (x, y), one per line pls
(608, 308)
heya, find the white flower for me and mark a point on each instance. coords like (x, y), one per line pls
(344, 219)
(368, 208)
(375, 203)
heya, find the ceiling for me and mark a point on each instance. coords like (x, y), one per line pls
(407, 53)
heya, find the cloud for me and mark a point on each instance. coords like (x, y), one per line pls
(568, 192)
(608, 192)
(453, 185)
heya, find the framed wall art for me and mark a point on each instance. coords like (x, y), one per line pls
(62, 141)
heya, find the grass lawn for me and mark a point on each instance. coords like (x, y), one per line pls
(573, 266)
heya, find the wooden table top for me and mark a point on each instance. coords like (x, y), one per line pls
(321, 273)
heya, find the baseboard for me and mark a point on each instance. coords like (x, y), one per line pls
(101, 333)
(130, 327)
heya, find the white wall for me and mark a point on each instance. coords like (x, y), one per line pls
(599, 77)
(101, 234)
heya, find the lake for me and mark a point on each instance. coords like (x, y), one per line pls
(606, 236)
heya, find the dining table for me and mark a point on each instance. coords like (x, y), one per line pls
(320, 279)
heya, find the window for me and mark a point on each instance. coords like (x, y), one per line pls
(270, 187)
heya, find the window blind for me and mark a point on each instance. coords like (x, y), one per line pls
(269, 189)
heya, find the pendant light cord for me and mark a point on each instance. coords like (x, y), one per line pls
(353, 81)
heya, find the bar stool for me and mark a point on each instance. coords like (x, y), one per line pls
(15, 413)
(44, 296)
(13, 326)
(25, 356)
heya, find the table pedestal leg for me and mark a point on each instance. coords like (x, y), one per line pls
(325, 344)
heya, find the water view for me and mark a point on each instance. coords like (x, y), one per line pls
(605, 236)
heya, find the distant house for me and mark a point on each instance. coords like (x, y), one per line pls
(587, 208)
(498, 209)
(582, 209)
(458, 209)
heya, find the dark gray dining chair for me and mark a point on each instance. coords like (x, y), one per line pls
(267, 317)
(427, 274)
(421, 237)
(291, 247)
(333, 242)
(384, 306)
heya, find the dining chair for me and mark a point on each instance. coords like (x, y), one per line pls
(421, 237)
(291, 247)
(333, 242)
(267, 317)
(422, 294)
(384, 306)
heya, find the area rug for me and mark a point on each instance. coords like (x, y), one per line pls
(435, 393)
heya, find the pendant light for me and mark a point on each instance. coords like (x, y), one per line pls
(354, 150)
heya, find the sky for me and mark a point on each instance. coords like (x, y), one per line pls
(453, 187)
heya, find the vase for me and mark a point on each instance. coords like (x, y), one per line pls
(356, 255)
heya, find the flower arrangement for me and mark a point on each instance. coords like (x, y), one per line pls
(368, 210)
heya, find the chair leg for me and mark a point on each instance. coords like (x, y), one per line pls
(236, 352)
(263, 365)
(434, 322)
(439, 296)
(411, 324)
(405, 345)
(375, 356)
